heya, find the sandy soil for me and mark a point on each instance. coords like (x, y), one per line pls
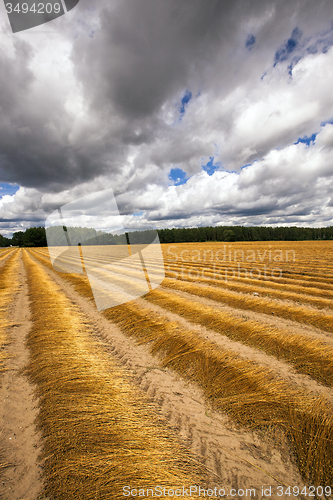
(269, 319)
(19, 439)
(234, 457)
(281, 369)
(237, 458)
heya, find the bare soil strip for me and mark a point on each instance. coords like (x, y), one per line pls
(281, 369)
(100, 434)
(308, 355)
(307, 315)
(227, 281)
(21, 479)
(239, 457)
(286, 325)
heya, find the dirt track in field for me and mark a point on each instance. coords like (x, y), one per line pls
(237, 458)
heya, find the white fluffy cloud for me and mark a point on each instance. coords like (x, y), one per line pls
(93, 100)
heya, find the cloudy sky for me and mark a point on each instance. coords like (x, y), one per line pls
(195, 112)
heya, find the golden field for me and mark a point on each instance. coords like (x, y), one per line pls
(249, 324)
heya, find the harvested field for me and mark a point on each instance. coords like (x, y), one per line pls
(8, 288)
(100, 432)
(309, 355)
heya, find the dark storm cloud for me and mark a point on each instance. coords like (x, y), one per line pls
(149, 52)
(35, 150)
(143, 54)
(149, 49)
(121, 108)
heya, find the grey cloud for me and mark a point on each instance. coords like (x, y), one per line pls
(133, 65)
(35, 150)
(148, 49)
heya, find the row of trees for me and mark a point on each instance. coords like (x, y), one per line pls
(33, 237)
(241, 233)
(36, 236)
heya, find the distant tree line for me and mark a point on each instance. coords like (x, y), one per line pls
(32, 237)
(241, 233)
(36, 236)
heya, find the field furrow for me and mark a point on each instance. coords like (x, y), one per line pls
(5, 253)
(248, 392)
(207, 432)
(308, 356)
(297, 283)
(8, 288)
(99, 433)
(225, 279)
(301, 314)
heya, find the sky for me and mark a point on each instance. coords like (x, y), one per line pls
(194, 112)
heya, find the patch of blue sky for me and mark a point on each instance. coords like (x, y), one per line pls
(307, 140)
(210, 168)
(9, 189)
(178, 176)
(294, 49)
(322, 43)
(322, 124)
(185, 100)
(293, 63)
(283, 53)
(250, 41)
(138, 214)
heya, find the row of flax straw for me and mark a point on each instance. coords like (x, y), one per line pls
(251, 394)
(8, 287)
(100, 434)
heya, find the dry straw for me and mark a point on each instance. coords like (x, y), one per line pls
(5, 252)
(258, 304)
(224, 278)
(100, 434)
(304, 261)
(297, 279)
(308, 355)
(8, 286)
(250, 394)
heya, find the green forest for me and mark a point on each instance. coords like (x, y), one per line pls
(36, 236)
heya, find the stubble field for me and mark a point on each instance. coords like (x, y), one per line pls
(220, 377)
